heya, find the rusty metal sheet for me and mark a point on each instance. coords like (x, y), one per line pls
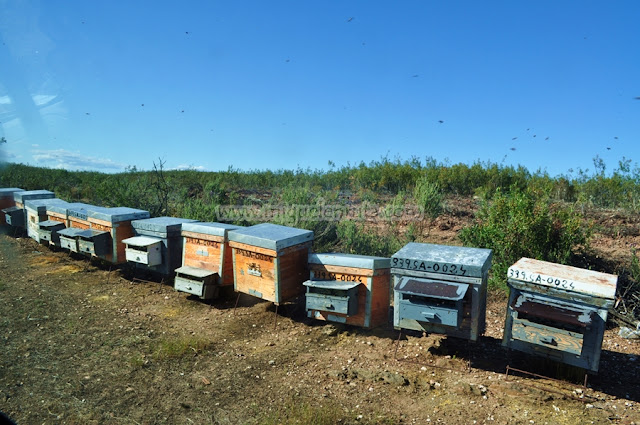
(432, 288)
(553, 310)
(565, 278)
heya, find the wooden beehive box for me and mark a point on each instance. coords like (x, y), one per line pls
(441, 289)
(351, 289)
(157, 244)
(36, 212)
(7, 200)
(558, 312)
(270, 261)
(207, 263)
(115, 222)
(16, 216)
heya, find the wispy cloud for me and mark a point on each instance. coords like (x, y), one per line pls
(60, 158)
(190, 167)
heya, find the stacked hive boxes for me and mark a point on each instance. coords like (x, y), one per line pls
(36, 213)
(109, 227)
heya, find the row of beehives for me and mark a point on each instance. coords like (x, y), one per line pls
(554, 311)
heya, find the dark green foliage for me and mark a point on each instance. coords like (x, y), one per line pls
(525, 224)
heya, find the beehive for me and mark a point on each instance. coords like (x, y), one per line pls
(157, 244)
(48, 232)
(68, 238)
(270, 261)
(114, 222)
(7, 200)
(16, 216)
(61, 212)
(207, 263)
(558, 312)
(441, 289)
(351, 289)
(36, 212)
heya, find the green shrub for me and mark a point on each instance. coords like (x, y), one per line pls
(520, 224)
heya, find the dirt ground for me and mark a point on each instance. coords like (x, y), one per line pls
(80, 344)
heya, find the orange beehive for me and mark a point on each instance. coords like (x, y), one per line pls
(270, 261)
(207, 262)
(351, 289)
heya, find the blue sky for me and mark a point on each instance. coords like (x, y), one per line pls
(103, 85)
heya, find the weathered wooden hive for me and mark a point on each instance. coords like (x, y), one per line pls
(16, 216)
(36, 213)
(7, 200)
(109, 228)
(346, 288)
(157, 244)
(270, 261)
(441, 289)
(558, 312)
(207, 262)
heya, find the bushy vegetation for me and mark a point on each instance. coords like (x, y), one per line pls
(522, 223)
(523, 213)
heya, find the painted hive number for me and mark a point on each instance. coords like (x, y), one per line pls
(324, 275)
(540, 279)
(427, 266)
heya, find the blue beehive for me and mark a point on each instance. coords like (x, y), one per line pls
(441, 289)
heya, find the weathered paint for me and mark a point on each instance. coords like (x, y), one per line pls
(565, 278)
(558, 312)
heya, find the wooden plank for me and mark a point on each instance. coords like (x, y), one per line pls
(251, 249)
(202, 236)
(327, 269)
(253, 284)
(293, 271)
(546, 336)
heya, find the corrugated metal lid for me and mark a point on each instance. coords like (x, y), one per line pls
(470, 262)
(210, 228)
(451, 291)
(7, 192)
(350, 260)
(161, 224)
(271, 236)
(331, 284)
(117, 214)
(562, 277)
(32, 194)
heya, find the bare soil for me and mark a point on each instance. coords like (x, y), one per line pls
(82, 344)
